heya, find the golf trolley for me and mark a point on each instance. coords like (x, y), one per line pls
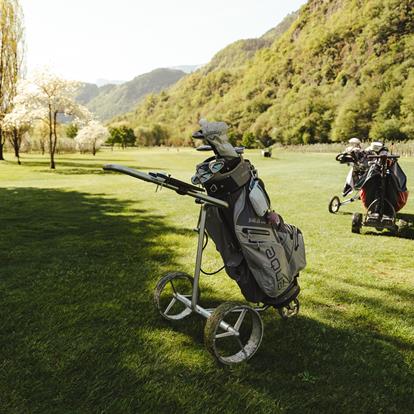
(234, 330)
(336, 203)
(382, 199)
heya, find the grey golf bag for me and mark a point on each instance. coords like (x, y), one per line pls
(260, 252)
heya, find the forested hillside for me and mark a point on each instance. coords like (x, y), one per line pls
(342, 68)
(110, 100)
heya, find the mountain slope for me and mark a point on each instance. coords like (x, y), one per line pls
(343, 68)
(208, 84)
(110, 100)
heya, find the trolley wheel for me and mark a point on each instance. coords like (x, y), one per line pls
(356, 223)
(334, 205)
(239, 344)
(402, 227)
(290, 310)
(165, 298)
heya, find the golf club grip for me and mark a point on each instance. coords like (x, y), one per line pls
(344, 158)
(162, 182)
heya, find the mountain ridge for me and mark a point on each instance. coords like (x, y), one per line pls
(109, 100)
(341, 68)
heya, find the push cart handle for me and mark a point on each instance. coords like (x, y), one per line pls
(180, 187)
(345, 158)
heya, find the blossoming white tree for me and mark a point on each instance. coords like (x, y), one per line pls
(11, 57)
(16, 124)
(47, 96)
(91, 137)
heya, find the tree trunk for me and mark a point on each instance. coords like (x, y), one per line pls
(51, 149)
(52, 161)
(16, 145)
(1, 146)
(54, 138)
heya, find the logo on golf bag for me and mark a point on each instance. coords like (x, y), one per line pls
(282, 280)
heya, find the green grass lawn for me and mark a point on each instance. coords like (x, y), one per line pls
(81, 251)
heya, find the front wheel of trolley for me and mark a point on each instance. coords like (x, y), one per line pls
(334, 205)
(171, 293)
(356, 223)
(290, 310)
(233, 332)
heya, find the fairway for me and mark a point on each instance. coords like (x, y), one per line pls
(81, 251)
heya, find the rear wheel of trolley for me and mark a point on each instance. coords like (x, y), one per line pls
(356, 223)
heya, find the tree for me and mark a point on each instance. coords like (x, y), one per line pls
(72, 130)
(48, 96)
(355, 116)
(16, 124)
(154, 135)
(248, 140)
(122, 135)
(91, 137)
(233, 138)
(387, 130)
(11, 57)
(407, 107)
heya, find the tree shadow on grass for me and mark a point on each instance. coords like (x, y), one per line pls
(75, 276)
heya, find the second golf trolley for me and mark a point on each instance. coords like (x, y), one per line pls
(379, 182)
(383, 190)
(358, 168)
(260, 252)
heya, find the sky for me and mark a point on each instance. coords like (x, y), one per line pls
(119, 39)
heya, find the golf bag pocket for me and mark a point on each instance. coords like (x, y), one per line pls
(291, 238)
(266, 261)
(257, 235)
(259, 199)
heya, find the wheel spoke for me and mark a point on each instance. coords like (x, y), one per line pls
(171, 304)
(240, 319)
(167, 297)
(223, 335)
(241, 346)
(173, 287)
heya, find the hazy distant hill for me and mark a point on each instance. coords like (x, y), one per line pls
(102, 82)
(187, 68)
(110, 100)
(342, 68)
